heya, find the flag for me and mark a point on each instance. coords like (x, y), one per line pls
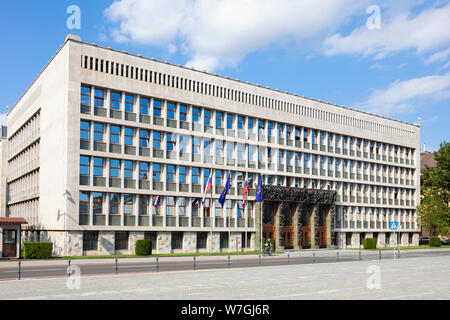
(156, 202)
(195, 202)
(259, 190)
(225, 190)
(244, 200)
(208, 187)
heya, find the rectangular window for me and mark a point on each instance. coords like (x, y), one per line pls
(195, 176)
(129, 103)
(171, 110)
(196, 115)
(121, 240)
(99, 98)
(128, 169)
(230, 121)
(202, 240)
(171, 173)
(182, 173)
(177, 240)
(143, 171)
(170, 206)
(90, 240)
(144, 138)
(156, 172)
(143, 205)
(156, 140)
(219, 178)
(129, 136)
(116, 99)
(98, 167)
(250, 124)
(85, 130)
(84, 166)
(115, 134)
(207, 117)
(86, 95)
(145, 105)
(182, 144)
(183, 113)
(241, 123)
(195, 208)
(97, 198)
(195, 145)
(219, 119)
(156, 108)
(128, 204)
(84, 202)
(99, 131)
(114, 168)
(181, 204)
(114, 203)
(171, 142)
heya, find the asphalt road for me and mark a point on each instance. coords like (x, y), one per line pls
(9, 270)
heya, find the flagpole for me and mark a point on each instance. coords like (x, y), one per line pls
(211, 221)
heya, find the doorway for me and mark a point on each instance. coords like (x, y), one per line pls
(9, 243)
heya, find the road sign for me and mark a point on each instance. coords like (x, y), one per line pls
(393, 225)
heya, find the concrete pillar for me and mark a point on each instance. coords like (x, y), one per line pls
(295, 222)
(164, 241)
(74, 243)
(355, 240)
(190, 242)
(314, 213)
(278, 227)
(258, 226)
(106, 242)
(330, 223)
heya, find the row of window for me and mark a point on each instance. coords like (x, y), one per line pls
(29, 131)
(235, 95)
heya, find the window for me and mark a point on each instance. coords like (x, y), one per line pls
(183, 113)
(85, 130)
(171, 110)
(230, 121)
(250, 124)
(261, 127)
(99, 98)
(196, 114)
(202, 240)
(84, 202)
(280, 130)
(181, 204)
(240, 151)
(195, 176)
(84, 166)
(195, 145)
(114, 168)
(170, 206)
(229, 150)
(143, 171)
(156, 140)
(99, 131)
(156, 172)
(177, 240)
(219, 178)
(195, 208)
(182, 174)
(171, 142)
(128, 204)
(144, 138)
(114, 203)
(143, 205)
(206, 147)
(98, 167)
(219, 119)
(241, 123)
(145, 105)
(129, 136)
(156, 108)
(116, 99)
(223, 240)
(98, 202)
(270, 127)
(207, 117)
(90, 240)
(129, 103)
(182, 144)
(115, 134)
(86, 95)
(121, 240)
(171, 173)
(128, 169)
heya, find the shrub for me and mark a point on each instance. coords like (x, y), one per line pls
(435, 242)
(143, 247)
(37, 250)
(370, 243)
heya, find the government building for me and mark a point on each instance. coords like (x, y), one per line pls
(106, 147)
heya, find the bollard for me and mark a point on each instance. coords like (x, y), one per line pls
(194, 264)
(157, 264)
(337, 256)
(399, 253)
(314, 257)
(117, 267)
(288, 258)
(360, 256)
(20, 270)
(259, 262)
(380, 254)
(228, 261)
(68, 268)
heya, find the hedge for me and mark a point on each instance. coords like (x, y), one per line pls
(143, 247)
(37, 250)
(435, 242)
(370, 243)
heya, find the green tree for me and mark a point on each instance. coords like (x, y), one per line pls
(434, 211)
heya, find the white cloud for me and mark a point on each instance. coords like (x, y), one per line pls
(218, 33)
(406, 96)
(441, 56)
(400, 31)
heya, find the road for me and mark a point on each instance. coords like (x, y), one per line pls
(413, 276)
(9, 270)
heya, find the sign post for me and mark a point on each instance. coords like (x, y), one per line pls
(393, 225)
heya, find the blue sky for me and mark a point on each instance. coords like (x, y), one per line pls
(395, 63)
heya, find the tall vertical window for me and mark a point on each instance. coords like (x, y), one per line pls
(86, 95)
(143, 171)
(171, 173)
(195, 176)
(129, 103)
(144, 138)
(171, 110)
(269, 127)
(182, 174)
(170, 142)
(229, 150)
(313, 135)
(99, 131)
(97, 198)
(114, 168)
(129, 136)
(219, 178)
(240, 151)
(182, 144)
(156, 172)
(196, 115)
(128, 169)
(99, 98)
(195, 145)
(116, 99)
(145, 105)
(195, 209)
(156, 108)
(84, 166)
(250, 123)
(241, 123)
(84, 202)
(143, 205)
(288, 132)
(115, 134)
(219, 119)
(156, 140)
(280, 130)
(181, 204)
(206, 173)
(85, 130)
(206, 147)
(128, 204)
(170, 206)
(98, 167)
(219, 148)
(261, 127)
(230, 120)
(114, 203)
(183, 112)
(207, 117)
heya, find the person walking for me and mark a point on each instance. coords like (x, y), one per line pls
(267, 246)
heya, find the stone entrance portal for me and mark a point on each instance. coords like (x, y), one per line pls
(296, 218)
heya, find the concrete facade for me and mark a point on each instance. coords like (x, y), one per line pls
(235, 123)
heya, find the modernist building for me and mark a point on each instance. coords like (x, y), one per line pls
(100, 133)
